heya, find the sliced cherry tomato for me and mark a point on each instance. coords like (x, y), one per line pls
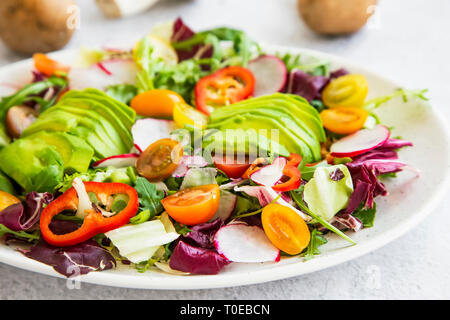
(231, 167)
(194, 205)
(185, 114)
(7, 199)
(344, 120)
(346, 91)
(294, 160)
(48, 66)
(285, 228)
(159, 160)
(226, 86)
(295, 179)
(156, 103)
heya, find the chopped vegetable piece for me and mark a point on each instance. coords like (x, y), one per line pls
(184, 114)
(49, 66)
(285, 228)
(94, 222)
(194, 205)
(344, 120)
(157, 103)
(159, 160)
(346, 91)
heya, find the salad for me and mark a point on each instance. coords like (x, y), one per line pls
(188, 152)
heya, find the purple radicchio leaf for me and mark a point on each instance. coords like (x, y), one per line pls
(202, 235)
(337, 175)
(305, 85)
(394, 144)
(338, 73)
(74, 260)
(344, 221)
(19, 218)
(366, 187)
(182, 32)
(195, 260)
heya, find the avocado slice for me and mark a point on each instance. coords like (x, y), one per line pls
(298, 107)
(75, 152)
(243, 142)
(6, 185)
(122, 111)
(287, 137)
(122, 130)
(288, 121)
(110, 130)
(83, 127)
(33, 164)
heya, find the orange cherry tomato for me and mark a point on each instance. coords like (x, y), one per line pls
(344, 120)
(194, 205)
(156, 103)
(48, 66)
(7, 200)
(159, 160)
(285, 228)
(231, 167)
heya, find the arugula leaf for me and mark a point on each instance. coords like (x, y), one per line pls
(245, 204)
(141, 217)
(181, 229)
(149, 197)
(310, 65)
(367, 216)
(313, 247)
(404, 93)
(20, 234)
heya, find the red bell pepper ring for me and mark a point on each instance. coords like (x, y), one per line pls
(225, 86)
(294, 160)
(94, 223)
(295, 179)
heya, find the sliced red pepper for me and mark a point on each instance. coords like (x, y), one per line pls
(295, 179)
(94, 223)
(294, 160)
(226, 86)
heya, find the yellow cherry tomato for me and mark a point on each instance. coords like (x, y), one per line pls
(157, 103)
(347, 91)
(185, 114)
(7, 200)
(285, 228)
(344, 120)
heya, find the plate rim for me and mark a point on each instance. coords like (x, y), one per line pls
(259, 276)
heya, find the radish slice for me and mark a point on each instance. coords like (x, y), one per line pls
(189, 162)
(106, 73)
(360, 142)
(270, 74)
(270, 174)
(119, 161)
(226, 206)
(146, 131)
(242, 243)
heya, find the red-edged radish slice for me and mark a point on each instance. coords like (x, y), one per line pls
(270, 175)
(119, 161)
(239, 242)
(189, 162)
(106, 73)
(270, 74)
(360, 142)
(146, 131)
(226, 205)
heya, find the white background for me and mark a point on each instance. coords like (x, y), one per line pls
(408, 41)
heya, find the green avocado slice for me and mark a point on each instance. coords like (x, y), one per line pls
(110, 130)
(34, 165)
(126, 114)
(287, 137)
(288, 121)
(82, 127)
(75, 152)
(122, 130)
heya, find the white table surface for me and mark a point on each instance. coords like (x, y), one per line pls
(409, 41)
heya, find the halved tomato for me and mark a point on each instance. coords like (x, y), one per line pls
(159, 160)
(233, 168)
(194, 205)
(344, 120)
(285, 228)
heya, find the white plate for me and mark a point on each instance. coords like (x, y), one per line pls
(409, 201)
